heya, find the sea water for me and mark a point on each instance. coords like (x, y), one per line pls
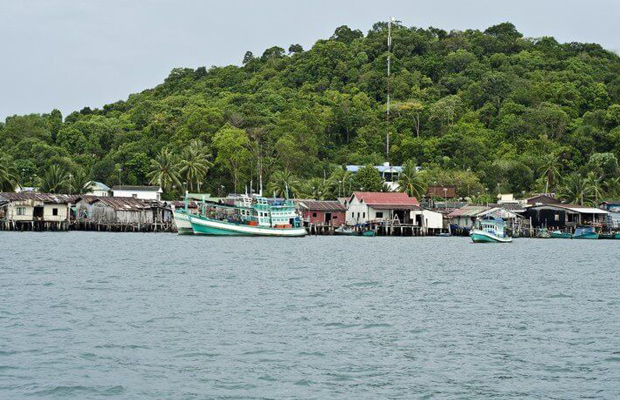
(88, 315)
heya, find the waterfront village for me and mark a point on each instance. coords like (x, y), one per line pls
(390, 213)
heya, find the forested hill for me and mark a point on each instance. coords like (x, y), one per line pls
(477, 109)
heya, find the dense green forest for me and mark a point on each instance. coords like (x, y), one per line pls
(487, 111)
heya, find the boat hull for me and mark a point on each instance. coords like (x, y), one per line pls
(479, 236)
(184, 226)
(560, 235)
(587, 236)
(206, 226)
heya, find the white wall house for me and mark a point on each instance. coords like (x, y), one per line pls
(138, 192)
(364, 207)
(97, 189)
(30, 207)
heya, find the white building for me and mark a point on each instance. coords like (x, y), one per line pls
(98, 189)
(366, 207)
(29, 207)
(139, 192)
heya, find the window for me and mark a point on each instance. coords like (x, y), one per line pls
(379, 214)
(134, 195)
(334, 217)
(557, 217)
(54, 211)
(313, 215)
(21, 210)
(364, 214)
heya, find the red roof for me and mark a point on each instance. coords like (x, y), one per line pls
(386, 200)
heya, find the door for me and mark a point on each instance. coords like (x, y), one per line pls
(38, 213)
(328, 218)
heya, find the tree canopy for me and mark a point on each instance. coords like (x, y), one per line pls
(482, 107)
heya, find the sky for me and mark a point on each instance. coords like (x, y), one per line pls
(69, 54)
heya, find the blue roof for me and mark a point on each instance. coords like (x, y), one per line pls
(100, 185)
(381, 168)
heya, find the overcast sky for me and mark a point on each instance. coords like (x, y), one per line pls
(68, 54)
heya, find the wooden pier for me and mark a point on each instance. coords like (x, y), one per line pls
(380, 229)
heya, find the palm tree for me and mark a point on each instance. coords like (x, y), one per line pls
(54, 180)
(595, 187)
(409, 181)
(316, 188)
(164, 170)
(80, 182)
(576, 189)
(283, 183)
(612, 187)
(195, 164)
(8, 179)
(341, 182)
(550, 171)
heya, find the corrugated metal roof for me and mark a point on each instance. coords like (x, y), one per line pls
(468, 211)
(128, 203)
(387, 200)
(137, 188)
(438, 191)
(49, 198)
(320, 205)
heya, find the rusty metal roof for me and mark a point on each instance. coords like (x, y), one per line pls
(128, 203)
(468, 211)
(49, 198)
(321, 205)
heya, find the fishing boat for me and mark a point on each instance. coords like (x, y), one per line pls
(344, 231)
(491, 230)
(543, 233)
(560, 235)
(607, 235)
(181, 220)
(249, 216)
(585, 233)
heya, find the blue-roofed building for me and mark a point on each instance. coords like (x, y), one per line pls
(98, 189)
(388, 172)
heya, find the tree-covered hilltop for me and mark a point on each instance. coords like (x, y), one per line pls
(488, 111)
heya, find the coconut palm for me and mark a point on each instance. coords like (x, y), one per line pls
(409, 181)
(550, 171)
(612, 187)
(8, 179)
(283, 183)
(195, 163)
(576, 189)
(316, 188)
(164, 170)
(54, 180)
(79, 182)
(595, 187)
(340, 182)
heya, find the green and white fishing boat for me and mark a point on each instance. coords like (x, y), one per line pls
(249, 216)
(181, 220)
(585, 233)
(491, 230)
(560, 235)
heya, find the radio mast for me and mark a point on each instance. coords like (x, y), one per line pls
(387, 114)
